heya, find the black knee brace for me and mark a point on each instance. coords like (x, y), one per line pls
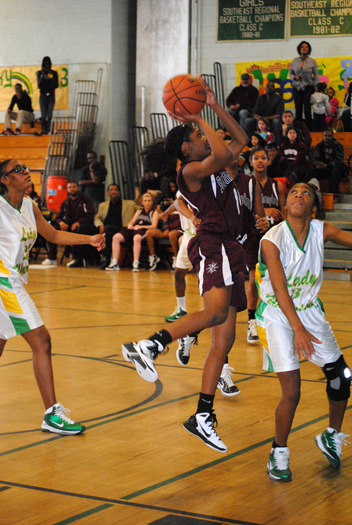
(339, 380)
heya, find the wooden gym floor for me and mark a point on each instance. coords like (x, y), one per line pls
(136, 465)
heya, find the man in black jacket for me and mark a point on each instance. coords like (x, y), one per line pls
(76, 215)
(271, 105)
(328, 162)
(24, 113)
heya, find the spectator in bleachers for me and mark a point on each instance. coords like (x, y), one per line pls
(93, 179)
(271, 105)
(347, 114)
(33, 195)
(157, 182)
(171, 229)
(263, 128)
(242, 100)
(334, 107)
(112, 215)
(150, 183)
(24, 113)
(273, 168)
(321, 107)
(256, 140)
(304, 76)
(328, 162)
(76, 215)
(293, 156)
(48, 81)
(289, 120)
(143, 220)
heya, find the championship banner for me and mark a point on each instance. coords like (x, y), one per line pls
(336, 72)
(240, 20)
(26, 75)
(320, 18)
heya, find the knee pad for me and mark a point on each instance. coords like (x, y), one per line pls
(339, 380)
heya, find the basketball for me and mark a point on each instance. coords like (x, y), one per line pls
(186, 93)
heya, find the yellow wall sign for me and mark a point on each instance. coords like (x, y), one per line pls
(26, 75)
(336, 72)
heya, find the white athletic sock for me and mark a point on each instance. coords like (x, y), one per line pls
(181, 303)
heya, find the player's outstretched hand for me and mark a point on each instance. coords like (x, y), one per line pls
(303, 343)
(98, 241)
(211, 98)
(183, 117)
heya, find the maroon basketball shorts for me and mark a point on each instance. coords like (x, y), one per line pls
(220, 263)
(129, 234)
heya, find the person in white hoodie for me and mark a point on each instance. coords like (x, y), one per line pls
(321, 107)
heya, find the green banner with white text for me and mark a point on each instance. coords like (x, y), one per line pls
(320, 18)
(251, 20)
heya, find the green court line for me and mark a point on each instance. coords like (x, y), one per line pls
(123, 416)
(134, 505)
(83, 514)
(218, 461)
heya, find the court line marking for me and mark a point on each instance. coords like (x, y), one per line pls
(84, 514)
(219, 461)
(129, 504)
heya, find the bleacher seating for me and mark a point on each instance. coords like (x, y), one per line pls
(27, 148)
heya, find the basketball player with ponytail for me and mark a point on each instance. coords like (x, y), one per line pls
(216, 256)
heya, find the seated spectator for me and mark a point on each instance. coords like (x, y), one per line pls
(293, 156)
(93, 179)
(347, 113)
(171, 229)
(76, 215)
(143, 220)
(112, 215)
(328, 162)
(321, 107)
(222, 132)
(169, 197)
(157, 182)
(24, 113)
(334, 107)
(271, 105)
(33, 195)
(263, 129)
(150, 183)
(242, 100)
(289, 121)
(256, 140)
(273, 169)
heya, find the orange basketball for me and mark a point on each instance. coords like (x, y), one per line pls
(185, 93)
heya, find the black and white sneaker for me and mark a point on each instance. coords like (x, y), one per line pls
(184, 346)
(202, 426)
(142, 355)
(226, 384)
(153, 262)
(252, 332)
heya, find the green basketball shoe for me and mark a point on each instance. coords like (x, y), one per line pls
(177, 314)
(56, 420)
(278, 464)
(330, 443)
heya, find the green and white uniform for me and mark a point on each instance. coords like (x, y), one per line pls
(18, 313)
(189, 231)
(303, 267)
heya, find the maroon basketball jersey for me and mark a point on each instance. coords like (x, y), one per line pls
(246, 186)
(216, 203)
(270, 196)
